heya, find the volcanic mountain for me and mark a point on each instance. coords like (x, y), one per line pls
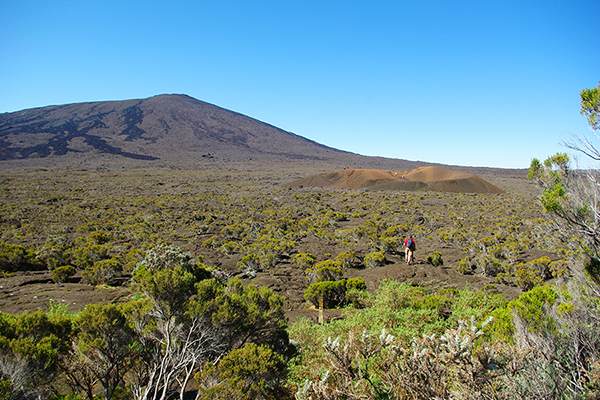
(158, 131)
(175, 131)
(422, 178)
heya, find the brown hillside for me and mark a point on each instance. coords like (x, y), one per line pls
(177, 131)
(160, 131)
(423, 178)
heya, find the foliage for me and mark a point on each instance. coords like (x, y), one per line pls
(375, 259)
(61, 274)
(370, 366)
(331, 292)
(251, 372)
(304, 261)
(435, 259)
(323, 271)
(405, 311)
(103, 351)
(103, 272)
(570, 195)
(15, 257)
(242, 313)
(346, 258)
(32, 346)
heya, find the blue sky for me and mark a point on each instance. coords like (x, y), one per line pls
(476, 83)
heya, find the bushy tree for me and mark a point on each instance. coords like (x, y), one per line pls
(32, 346)
(173, 341)
(572, 196)
(104, 349)
(190, 321)
(569, 347)
(251, 372)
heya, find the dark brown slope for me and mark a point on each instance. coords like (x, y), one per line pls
(171, 128)
(169, 131)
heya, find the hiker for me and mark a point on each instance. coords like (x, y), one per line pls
(409, 249)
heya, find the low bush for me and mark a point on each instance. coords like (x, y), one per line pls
(346, 258)
(103, 272)
(435, 259)
(61, 274)
(327, 270)
(15, 257)
(375, 259)
(464, 266)
(304, 261)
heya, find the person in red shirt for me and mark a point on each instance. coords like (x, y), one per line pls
(409, 249)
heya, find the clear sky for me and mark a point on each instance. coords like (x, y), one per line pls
(476, 83)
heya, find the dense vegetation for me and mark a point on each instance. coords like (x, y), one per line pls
(188, 245)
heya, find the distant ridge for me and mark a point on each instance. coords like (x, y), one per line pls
(422, 178)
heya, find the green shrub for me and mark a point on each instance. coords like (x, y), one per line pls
(249, 262)
(304, 260)
(375, 259)
(346, 258)
(61, 274)
(332, 293)
(464, 266)
(327, 270)
(356, 283)
(390, 244)
(358, 298)
(252, 372)
(15, 257)
(435, 259)
(103, 272)
(99, 237)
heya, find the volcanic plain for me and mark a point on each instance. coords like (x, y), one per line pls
(107, 181)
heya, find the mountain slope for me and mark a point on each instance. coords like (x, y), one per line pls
(172, 131)
(171, 128)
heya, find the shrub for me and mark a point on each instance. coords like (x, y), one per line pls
(389, 244)
(332, 293)
(375, 259)
(167, 256)
(14, 257)
(249, 262)
(103, 272)
(99, 237)
(559, 269)
(346, 258)
(61, 274)
(464, 266)
(327, 270)
(356, 283)
(252, 372)
(435, 259)
(304, 260)
(358, 298)
(88, 254)
(230, 247)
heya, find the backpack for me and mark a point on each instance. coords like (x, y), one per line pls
(409, 243)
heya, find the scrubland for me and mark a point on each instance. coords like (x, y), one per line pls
(217, 275)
